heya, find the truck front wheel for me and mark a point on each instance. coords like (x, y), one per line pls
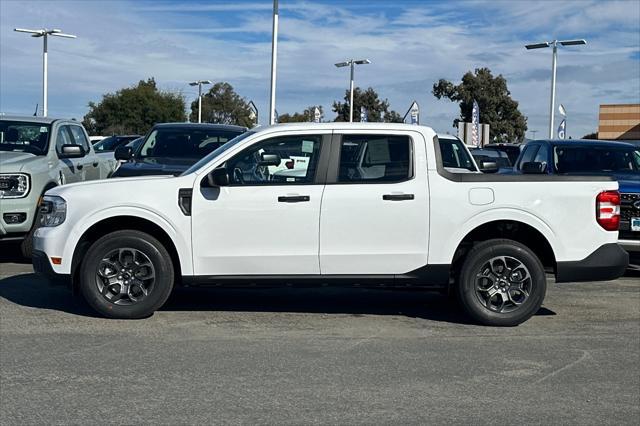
(502, 283)
(126, 274)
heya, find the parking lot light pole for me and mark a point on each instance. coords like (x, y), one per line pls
(352, 63)
(44, 33)
(199, 83)
(274, 57)
(554, 60)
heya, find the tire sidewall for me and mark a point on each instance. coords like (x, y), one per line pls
(478, 258)
(151, 248)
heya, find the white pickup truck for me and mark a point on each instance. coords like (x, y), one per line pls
(379, 205)
(37, 154)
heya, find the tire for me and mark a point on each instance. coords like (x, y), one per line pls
(502, 283)
(114, 275)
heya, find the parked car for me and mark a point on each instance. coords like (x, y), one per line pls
(111, 143)
(400, 219)
(37, 154)
(95, 139)
(171, 148)
(500, 158)
(511, 149)
(591, 157)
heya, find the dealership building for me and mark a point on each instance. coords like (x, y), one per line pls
(619, 122)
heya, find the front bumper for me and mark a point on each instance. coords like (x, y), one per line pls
(26, 206)
(42, 266)
(608, 262)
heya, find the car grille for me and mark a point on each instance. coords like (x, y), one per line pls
(627, 211)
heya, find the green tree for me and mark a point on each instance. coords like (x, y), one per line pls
(305, 116)
(497, 108)
(222, 105)
(134, 110)
(377, 109)
(593, 135)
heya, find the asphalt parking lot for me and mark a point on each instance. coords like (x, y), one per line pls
(317, 356)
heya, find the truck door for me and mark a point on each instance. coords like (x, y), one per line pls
(265, 222)
(375, 208)
(70, 170)
(90, 161)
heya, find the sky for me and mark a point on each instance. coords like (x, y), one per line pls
(411, 45)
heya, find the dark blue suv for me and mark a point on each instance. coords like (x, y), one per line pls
(590, 157)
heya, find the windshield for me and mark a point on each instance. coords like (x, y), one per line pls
(205, 160)
(454, 155)
(586, 159)
(24, 137)
(184, 142)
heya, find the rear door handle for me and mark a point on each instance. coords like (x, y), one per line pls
(293, 198)
(79, 166)
(96, 164)
(397, 197)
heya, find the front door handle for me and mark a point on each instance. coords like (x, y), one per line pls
(293, 198)
(79, 166)
(397, 197)
(96, 164)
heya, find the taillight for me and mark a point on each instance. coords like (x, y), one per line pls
(608, 210)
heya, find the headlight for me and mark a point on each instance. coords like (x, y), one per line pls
(53, 210)
(14, 185)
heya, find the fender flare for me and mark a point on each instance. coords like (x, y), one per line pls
(183, 247)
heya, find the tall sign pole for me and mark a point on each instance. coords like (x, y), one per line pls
(554, 60)
(274, 56)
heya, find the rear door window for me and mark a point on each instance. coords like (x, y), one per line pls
(375, 158)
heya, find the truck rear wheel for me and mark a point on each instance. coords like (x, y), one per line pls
(127, 275)
(502, 283)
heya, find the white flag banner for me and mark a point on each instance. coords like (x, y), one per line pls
(562, 130)
(475, 124)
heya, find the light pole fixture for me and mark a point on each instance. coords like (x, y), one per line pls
(554, 60)
(44, 33)
(273, 116)
(254, 112)
(352, 63)
(199, 83)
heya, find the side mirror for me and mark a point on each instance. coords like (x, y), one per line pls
(534, 168)
(71, 151)
(218, 177)
(488, 166)
(269, 160)
(124, 153)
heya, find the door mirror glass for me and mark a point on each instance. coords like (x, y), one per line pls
(534, 168)
(218, 177)
(124, 153)
(71, 151)
(269, 159)
(488, 166)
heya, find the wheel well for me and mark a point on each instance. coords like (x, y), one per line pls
(119, 223)
(513, 230)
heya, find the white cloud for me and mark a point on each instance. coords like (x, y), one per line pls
(410, 48)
